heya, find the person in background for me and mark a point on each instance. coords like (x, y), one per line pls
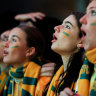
(24, 52)
(7, 21)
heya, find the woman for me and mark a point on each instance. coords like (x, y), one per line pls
(65, 40)
(23, 51)
(6, 23)
(3, 67)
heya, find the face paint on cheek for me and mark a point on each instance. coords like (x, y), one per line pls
(66, 34)
(1, 45)
(15, 46)
(93, 25)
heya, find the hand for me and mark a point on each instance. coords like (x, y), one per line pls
(32, 16)
(66, 92)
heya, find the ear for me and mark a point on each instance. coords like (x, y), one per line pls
(80, 45)
(30, 52)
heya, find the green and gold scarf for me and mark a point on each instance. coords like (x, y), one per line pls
(29, 72)
(54, 83)
(87, 86)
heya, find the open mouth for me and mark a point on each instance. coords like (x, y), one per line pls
(5, 53)
(54, 38)
(83, 34)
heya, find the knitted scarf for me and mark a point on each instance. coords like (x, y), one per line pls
(87, 87)
(29, 72)
(54, 82)
(3, 79)
(45, 76)
(91, 55)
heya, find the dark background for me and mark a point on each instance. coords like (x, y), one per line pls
(57, 8)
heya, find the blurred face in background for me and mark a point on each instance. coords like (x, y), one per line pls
(66, 36)
(16, 47)
(3, 39)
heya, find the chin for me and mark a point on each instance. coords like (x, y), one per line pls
(5, 60)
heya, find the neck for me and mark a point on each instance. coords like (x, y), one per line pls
(65, 59)
(17, 65)
(3, 65)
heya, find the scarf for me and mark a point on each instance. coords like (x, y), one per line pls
(3, 79)
(3, 76)
(54, 82)
(87, 86)
(45, 76)
(29, 73)
(91, 55)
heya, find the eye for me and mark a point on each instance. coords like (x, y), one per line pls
(4, 39)
(67, 26)
(13, 40)
(93, 12)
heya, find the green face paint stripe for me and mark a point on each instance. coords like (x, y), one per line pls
(65, 33)
(14, 46)
(1, 45)
(93, 24)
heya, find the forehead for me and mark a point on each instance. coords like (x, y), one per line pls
(18, 32)
(5, 33)
(72, 19)
(92, 5)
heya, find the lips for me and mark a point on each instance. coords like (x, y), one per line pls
(54, 38)
(5, 53)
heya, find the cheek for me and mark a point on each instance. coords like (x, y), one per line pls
(1, 45)
(1, 48)
(65, 34)
(93, 25)
(18, 49)
(14, 48)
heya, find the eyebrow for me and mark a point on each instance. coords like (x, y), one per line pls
(69, 23)
(90, 8)
(4, 36)
(15, 36)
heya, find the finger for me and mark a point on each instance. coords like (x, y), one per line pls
(39, 17)
(22, 17)
(38, 13)
(68, 91)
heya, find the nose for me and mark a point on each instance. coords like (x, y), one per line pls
(83, 19)
(6, 44)
(57, 28)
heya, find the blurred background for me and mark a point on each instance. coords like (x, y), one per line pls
(52, 8)
(55, 8)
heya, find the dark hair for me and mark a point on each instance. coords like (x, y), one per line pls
(34, 38)
(46, 26)
(78, 15)
(75, 61)
(74, 64)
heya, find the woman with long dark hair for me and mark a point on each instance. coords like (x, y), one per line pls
(65, 40)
